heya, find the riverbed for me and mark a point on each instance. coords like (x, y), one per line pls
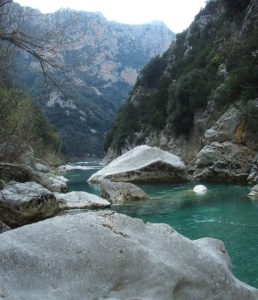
(224, 212)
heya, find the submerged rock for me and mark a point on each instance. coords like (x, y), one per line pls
(104, 255)
(75, 200)
(254, 192)
(223, 162)
(23, 203)
(200, 189)
(143, 164)
(120, 192)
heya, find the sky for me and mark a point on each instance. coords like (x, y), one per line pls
(176, 14)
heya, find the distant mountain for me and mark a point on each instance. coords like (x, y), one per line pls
(103, 60)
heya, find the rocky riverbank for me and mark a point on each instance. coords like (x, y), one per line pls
(102, 254)
(33, 192)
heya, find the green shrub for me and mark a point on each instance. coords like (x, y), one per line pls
(151, 73)
(23, 124)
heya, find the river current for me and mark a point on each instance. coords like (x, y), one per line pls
(224, 212)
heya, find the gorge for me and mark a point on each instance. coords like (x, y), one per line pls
(131, 226)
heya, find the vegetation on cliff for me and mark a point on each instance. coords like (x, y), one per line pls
(23, 125)
(216, 58)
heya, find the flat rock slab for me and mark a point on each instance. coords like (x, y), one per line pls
(104, 255)
(143, 164)
(121, 192)
(80, 200)
(23, 203)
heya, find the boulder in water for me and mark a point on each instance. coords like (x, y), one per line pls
(120, 192)
(200, 189)
(143, 164)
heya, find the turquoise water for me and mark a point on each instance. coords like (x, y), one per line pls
(224, 212)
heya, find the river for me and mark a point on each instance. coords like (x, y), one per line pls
(224, 212)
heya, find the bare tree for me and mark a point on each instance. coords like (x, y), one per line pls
(42, 36)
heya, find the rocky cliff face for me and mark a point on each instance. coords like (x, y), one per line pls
(197, 100)
(101, 60)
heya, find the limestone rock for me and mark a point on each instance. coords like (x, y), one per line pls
(143, 164)
(15, 172)
(3, 227)
(254, 192)
(223, 162)
(22, 203)
(120, 192)
(229, 127)
(79, 200)
(41, 166)
(52, 182)
(104, 255)
(253, 176)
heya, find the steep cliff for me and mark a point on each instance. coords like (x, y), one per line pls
(211, 69)
(101, 61)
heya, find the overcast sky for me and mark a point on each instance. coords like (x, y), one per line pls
(177, 14)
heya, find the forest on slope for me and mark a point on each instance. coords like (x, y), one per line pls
(214, 60)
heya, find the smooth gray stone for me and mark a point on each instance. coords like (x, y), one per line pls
(143, 164)
(23, 203)
(105, 255)
(121, 192)
(80, 200)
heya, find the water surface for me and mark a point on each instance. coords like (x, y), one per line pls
(224, 212)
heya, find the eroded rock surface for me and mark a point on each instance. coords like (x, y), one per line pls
(52, 182)
(120, 192)
(224, 162)
(77, 200)
(254, 192)
(104, 255)
(143, 164)
(253, 176)
(15, 172)
(23, 203)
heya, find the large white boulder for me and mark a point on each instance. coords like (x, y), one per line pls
(104, 255)
(79, 200)
(22, 203)
(143, 164)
